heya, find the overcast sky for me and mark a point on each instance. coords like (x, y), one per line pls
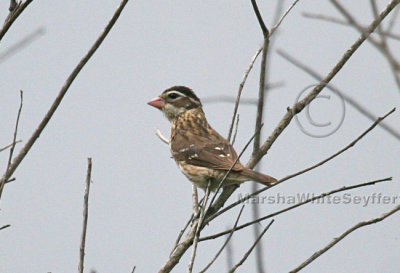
(139, 200)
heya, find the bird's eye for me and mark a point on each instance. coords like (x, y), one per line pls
(173, 95)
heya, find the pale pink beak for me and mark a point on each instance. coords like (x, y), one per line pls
(157, 103)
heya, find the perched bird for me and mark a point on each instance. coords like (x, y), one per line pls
(201, 153)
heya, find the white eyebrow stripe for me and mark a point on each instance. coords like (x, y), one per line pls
(176, 92)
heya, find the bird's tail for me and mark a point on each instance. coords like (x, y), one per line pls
(259, 177)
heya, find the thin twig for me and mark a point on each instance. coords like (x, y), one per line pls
(16, 129)
(282, 18)
(363, 110)
(10, 180)
(351, 144)
(343, 235)
(335, 20)
(85, 216)
(178, 239)
(9, 145)
(161, 137)
(261, 88)
(227, 191)
(225, 243)
(195, 199)
(12, 16)
(241, 85)
(236, 130)
(229, 255)
(199, 224)
(309, 200)
(299, 106)
(24, 151)
(5, 226)
(394, 64)
(246, 255)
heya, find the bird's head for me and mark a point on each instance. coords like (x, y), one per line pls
(176, 100)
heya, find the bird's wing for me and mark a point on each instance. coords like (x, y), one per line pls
(210, 151)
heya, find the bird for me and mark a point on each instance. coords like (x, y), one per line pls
(201, 153)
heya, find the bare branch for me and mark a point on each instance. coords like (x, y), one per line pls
(236, 130)
(260, 19)
(13, 15)
(181, 233)
(199, 224)
(299, 106)
(227, 191)
(24, 151)
(343, 235)
(225, 243)
(380, 45)
(246, 74)
(363, 110)
(85, 216)
(282, 18)
(9, 145)
(344, 188)
(261, 88)
(246, 255)
(5, 226)
(351, 144)
(342, 22)
(16, 129)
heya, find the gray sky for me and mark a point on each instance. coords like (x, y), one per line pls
(139, 199)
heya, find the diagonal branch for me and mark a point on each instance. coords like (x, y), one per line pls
(309, 200)
(299, 106)
(342, 22)
(351, 144)
(15, 11)
(247, 254)
(225, 243)
(343, 235)
(24, 151)
(363, 110)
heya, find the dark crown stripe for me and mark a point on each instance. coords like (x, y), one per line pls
(184, 90)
